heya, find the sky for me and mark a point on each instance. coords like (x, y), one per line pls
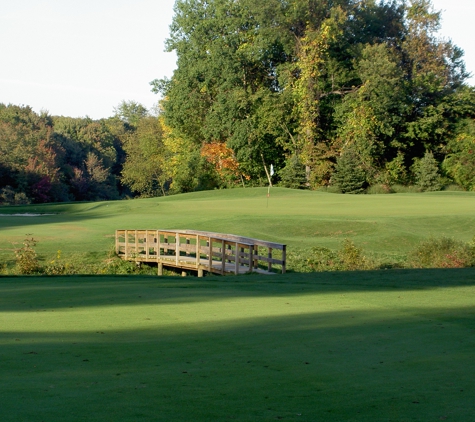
(82, 58)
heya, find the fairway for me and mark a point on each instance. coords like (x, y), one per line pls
(356, 346)
(388, 225)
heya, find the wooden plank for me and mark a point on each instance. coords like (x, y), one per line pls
(267, 260)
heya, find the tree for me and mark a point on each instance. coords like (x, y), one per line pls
(30, 156)
(309, 88)
(426, 173)
(435, 74)
(145, 169)
(223, 161)
(130, 112)
(92, 156)
(349, 175)
(293, 175)
(459, 163)
(225, 87)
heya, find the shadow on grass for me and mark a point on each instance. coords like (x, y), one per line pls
(277, 360)
(90, 291)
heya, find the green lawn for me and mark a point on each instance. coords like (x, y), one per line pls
(382, 224)
(363, 346)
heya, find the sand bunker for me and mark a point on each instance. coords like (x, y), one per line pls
(26, 214)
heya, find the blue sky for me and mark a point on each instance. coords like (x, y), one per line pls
(78, 58)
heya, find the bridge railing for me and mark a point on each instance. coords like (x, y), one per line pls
(201, 251)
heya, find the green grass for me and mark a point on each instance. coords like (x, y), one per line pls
(364, 346)
(388, 225)
(355, 346)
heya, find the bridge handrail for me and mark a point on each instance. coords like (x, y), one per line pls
(231, 248)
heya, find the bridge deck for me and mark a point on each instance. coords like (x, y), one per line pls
(200, 251)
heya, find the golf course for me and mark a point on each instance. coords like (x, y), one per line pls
(379, 345)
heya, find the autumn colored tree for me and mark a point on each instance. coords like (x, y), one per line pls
(223, 161)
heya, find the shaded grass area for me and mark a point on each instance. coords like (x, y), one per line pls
(356, 346)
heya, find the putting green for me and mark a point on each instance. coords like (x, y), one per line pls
(389, 225)
(365, 346)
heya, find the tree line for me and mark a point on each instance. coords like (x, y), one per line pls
(47, 158)
(347, 94)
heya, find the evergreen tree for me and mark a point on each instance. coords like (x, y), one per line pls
(293, 175)
(426, 173)
(349, 175)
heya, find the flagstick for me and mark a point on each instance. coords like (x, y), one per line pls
(268, 178)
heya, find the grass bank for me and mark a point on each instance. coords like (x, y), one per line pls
(387, 226)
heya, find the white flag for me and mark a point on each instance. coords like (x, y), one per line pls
(271, 169)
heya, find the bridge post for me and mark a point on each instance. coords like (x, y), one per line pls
(177, 248)
(236, 260)
(198, 256)
(160, 269)
(136, 253)
(251, 257)
(147, 250)
(223, 257)
(269, 263)
(284, 258)
(210, 256)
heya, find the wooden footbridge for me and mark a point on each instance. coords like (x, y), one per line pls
(200, 251)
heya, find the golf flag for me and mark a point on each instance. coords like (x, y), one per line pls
(271, 169)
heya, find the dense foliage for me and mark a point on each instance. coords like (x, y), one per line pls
(53, 159)
(313, 81)
(353, 94)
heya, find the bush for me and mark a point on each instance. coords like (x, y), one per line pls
(9, 197)
(405, 189)
(114, 265)
(348, 258)
(323, 259)
(58, 267)
(379, 189)
(459, 163)
(453, 188)
(26, 257)
(443, 252)
(353, 258)
(329, 189)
